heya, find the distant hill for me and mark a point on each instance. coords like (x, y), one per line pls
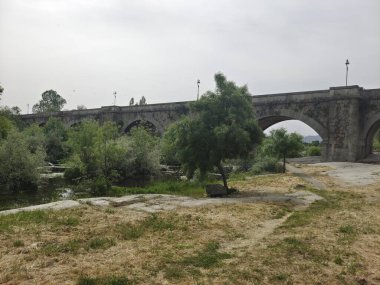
(309, 139)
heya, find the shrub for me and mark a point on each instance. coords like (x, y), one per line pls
(314, 151)
(19, 166)
(99, 186)
(72, 173)
(267, 164)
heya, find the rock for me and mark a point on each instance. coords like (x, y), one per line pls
(216, 190)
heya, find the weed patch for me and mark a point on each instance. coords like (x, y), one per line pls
(183, 188)
(101, 243)
(108, 280)
(154, 222)
(208, 257)
(18, 243)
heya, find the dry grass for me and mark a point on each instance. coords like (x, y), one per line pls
(279, 183)
(334, 241)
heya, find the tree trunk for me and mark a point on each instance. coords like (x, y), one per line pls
(221, 170)
(283, 165)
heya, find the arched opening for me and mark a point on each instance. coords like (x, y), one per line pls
(372, 149)
(312, 133)
(141, 123)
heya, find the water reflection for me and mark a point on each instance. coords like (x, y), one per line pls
(48, 191)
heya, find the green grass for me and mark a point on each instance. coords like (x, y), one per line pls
(54, 248)
(153, 222)
(37, 217)
(208, 257)
(73, 246)
(332, 201)
(101, 243)
(24, 218)
(338, 260)
(347, 229)
(18, 243)
(108, 280)
(183, 188)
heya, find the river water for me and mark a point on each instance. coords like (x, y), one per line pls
(49, 190)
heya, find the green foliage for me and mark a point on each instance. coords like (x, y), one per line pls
(376, 142)
(185, 188)
(265, 165)
(144, 158)
(280, 144)
(82, 143)
(19, 166)
(9, 120)
(101, 155)
(221, 126)
(55, 138)
(314, 151)
(51, 102)
(5, 126)
(35, 138)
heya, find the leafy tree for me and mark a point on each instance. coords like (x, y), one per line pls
(313, 150)
(55, 138)
(144, 157)
(142, 101)
(51, 102)
(11, 114)
(101, 154)
(221, 126)
(283, 145)
(35, 138)
(81, 107)
(131, 102)
(82, 142)
(19, 167)
(5, 126)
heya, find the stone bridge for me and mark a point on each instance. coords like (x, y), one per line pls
(346, 118)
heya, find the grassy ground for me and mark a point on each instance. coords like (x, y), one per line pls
(334, 241)
(183, 188)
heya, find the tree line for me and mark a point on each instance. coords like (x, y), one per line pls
(221, 127)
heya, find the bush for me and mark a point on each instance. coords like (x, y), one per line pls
(99, 186)
(72, 173)
(19, 166)
(267, 164)
(314, 151)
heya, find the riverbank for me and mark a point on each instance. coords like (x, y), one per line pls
(251, 239)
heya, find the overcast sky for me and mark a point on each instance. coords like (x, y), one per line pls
(87, 49)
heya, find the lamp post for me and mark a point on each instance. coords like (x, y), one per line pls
(114, 101)
(347, 63)
(198, 82)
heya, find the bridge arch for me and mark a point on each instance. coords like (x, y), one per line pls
(152, 127)
(369, 132)
(265, 121)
